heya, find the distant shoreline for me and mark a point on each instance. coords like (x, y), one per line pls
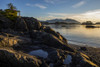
(67, 23)
(60, 23)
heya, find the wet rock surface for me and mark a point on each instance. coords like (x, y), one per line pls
(30, 44)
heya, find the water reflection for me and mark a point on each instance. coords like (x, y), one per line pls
(59, 26)
(79, 34)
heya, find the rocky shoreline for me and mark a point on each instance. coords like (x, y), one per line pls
(25, 42)
(92, 52)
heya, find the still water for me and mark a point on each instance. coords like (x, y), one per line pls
(79, 34)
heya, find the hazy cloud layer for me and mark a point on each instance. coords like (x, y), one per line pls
(93, 15)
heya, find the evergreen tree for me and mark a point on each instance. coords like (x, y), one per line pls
(11, 6)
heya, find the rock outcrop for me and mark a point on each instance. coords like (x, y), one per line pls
(8, 40)
(10, 58)
(26, 43)
(4, 22)
(32, 23)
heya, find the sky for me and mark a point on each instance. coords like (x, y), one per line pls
(81, 10)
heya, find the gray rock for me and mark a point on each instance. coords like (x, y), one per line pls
(13, 41)
(51, 31)
(83, 48)
(53, 41)
(20, 25)
(82, 60)
(28, 34)
(32, 23)
(5, 23)
(10, 58)
(54, 56)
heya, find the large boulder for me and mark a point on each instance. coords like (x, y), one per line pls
(12, 40)
(32, 23)
(51, 56)
(5, 23)
(51, 40)
(57, 34)
(55, 42)
(20, 25)
(11, 58)
(58, 58)
(82, 60)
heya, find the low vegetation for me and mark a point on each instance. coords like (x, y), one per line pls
(11, 12)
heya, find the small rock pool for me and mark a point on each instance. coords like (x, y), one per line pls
(40, 53)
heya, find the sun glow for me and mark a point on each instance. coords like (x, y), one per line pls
(93, 16)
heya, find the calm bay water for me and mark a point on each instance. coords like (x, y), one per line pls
(79, 34)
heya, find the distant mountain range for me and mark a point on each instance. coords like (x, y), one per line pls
(62, 21)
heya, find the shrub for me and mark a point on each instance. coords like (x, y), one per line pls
(11, 14)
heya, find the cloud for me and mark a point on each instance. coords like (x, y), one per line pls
(79, 4)
(55, 1)
(36, 5)
(30, 5)
(40, 6)
(50, 1)
(93, 16)
(94, 12)
(59, 15)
